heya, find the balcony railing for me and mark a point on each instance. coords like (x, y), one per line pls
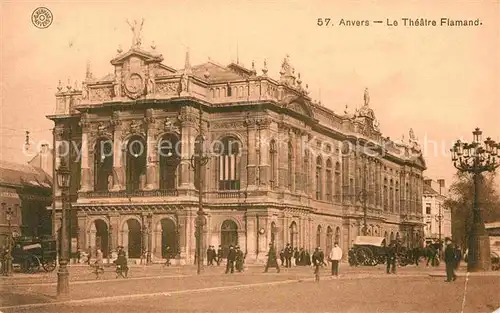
(129, 194)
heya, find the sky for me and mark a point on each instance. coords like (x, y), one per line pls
(440, 81)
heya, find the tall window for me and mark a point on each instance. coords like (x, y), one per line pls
(103, 164)
(306, 170)
(229, 176)
(397, 197)
(169, 153)
(290, 166)
(386, 198)
(391, 196)
(319, 178)
(273, 152)
(318, 236)
(427, 208)
(407, 198)
(136, 163)
(338, 182)
(329, 178)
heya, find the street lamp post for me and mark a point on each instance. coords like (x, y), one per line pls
(363, 197)
(197, 161)
(439, 219)
(63, 273)
(476, 158)
(8, 263)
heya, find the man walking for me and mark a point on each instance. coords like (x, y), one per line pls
(288, 255)
(219, 255)
(450, 260)
(335, 257)
(231, 257)
(391, 258)
(271, 259)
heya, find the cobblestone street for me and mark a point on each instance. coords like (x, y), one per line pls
(158, 289)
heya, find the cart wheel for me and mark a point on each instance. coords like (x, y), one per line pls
(49, 265)
(32, 266)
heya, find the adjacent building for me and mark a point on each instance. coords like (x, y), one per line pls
(281, 168)
(437, 217)
(25, 191)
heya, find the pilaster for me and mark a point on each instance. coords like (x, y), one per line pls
(118, 173)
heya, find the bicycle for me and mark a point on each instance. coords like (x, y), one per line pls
(97, 269)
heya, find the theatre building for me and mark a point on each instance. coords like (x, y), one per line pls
(280, 167)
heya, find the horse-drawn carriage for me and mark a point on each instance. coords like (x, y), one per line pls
(368, 250)
(32, 254)
(371, 251)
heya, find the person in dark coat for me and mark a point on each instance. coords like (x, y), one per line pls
(450, 258)
(271, 259)
(282, 257)
(167, 256)
(209, 256)
(458, 254)
(391, 258)
(239, 259)
(288, 255)
(317, 262)
(302, 257)
(219, 255)
(231, 257)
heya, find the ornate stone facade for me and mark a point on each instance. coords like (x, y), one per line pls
(280, 167)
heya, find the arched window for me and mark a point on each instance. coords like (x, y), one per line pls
(386, 199)
(391, 196)
(329, 240)
(398, 197)
(136, 163)
(329, 182)
(273, 152)
(169, 153)
(305, 164)
(407, 198)
(290, 166)
(319, 178)
(103, 164)
(318, 236)
(338, 182)
(228, 165)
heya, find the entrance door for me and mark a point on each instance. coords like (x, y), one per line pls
(229, 236)
(134, 239)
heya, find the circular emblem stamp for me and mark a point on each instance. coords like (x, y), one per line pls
(42, 17)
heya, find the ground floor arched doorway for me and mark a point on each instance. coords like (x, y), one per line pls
(229, 235)
(168, 238)
(102, 237)
(134, 238)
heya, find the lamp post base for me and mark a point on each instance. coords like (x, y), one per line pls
(62, 282)
(478, 258)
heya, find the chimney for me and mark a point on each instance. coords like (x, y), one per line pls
(441, 185)
(428, 182)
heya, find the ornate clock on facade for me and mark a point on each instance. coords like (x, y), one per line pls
(134, 85)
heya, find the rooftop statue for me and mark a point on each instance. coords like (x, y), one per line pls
(136, 30)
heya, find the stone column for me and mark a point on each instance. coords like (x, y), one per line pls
(251, 237)
(264, 176)
(118, 174)
(85, 178)
(151, 159)
(282, 154)
(114, 224)
(252, 156)
(188, 135)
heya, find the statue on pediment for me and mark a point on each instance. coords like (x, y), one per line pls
(150, 85)
(136, 31)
